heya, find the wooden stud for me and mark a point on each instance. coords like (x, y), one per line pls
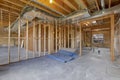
(9, 34)
(71, 34)
(49, 39)
(97, 5)
(56, 34)
(44, 40)
(34, 42)
(64, 36)
(19, 40)
(68, 35)
(110, 3)
(112, 38)
(1, 20)
(80, 40)
(39, 39)
(26, 39)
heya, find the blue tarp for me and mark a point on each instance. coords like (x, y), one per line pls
(63, 56)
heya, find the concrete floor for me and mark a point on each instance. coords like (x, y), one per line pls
(91, 66)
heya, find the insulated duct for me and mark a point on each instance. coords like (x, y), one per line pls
(103, 4)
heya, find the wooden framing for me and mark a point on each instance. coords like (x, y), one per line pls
(39, 39)
(44, 39)
(56, 35)
(110, 1)
(97, 5)
(9, 34)
(26, 39)
(49, 38)
(112, 38)
(68, 35)
(80, 40)
(19, 39)
(34, 40)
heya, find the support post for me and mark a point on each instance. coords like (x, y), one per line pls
(44, 40)
(80, 40)
(34, 37)
(39, 40)
(19, 40)
(112, 38)
(56, 35)
(9, 34)
(27, 39)
(49, 38)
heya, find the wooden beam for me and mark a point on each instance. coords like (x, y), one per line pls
(27, 39)
(15, 3)
(55, 6)
(9, 10)
(68, 35)
(110, 1)
(11, 7)
(34, 42)
(67, 2)
(112, 38)
(56, 37)
(41, 8)
(9, 35)
(80, 40)
(49, 39)
(44, 40)
(97, 5)
(63, 5)
(83, 3)
(39, 39)
(19, 39)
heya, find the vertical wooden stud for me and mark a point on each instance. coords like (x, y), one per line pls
(9, 35)
(19, 40)
(49, 38)
(39, 39)
(112, 38)
(34, 37)
(26, 39)
(56, 34)
(80, 40)
(44, 39)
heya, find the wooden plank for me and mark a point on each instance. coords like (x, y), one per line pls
(34, 42)
(68, 35)
(56, 35)
(44, 40)
(9, 35)
(112, 38)
(69, 4)
(97, 5)
(49, 39)
(39, 39)
(80, 40)
(27, 39)
(110, 1)
(83, 3)
(14, 3)
(39, 7)
(19, 39)
(1, 18)
(61, 4)
(64, 36)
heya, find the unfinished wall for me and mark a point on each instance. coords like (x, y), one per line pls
(4, 38)
(117, 38)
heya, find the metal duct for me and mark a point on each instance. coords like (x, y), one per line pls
(113, 10)
(103, 4)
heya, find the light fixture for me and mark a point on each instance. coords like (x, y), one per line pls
(94, 22)
(51, 1)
